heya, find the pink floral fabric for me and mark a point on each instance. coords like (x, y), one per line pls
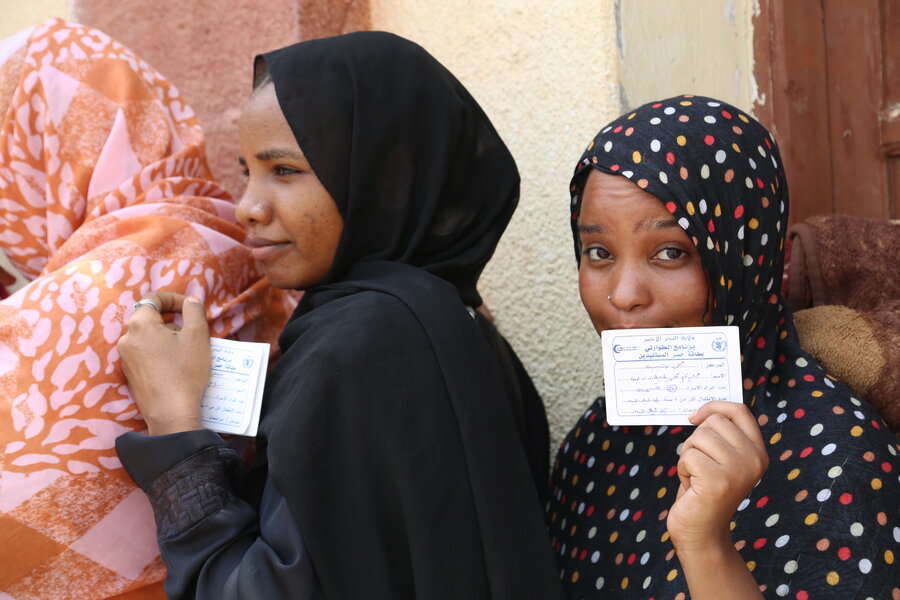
(104, 194)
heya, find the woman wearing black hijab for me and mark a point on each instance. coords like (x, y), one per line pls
(679, 213)
(400, 448)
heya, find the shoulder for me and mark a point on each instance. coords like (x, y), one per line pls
(364, 335)
(836, 461)
(360, 354)
(829, 427)
(367, 322)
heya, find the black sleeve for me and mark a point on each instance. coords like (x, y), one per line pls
(213, 543)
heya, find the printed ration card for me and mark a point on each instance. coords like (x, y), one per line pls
(233, 399)
(661, 376)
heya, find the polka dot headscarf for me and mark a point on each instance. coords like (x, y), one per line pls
(824, 521)
(718, 171)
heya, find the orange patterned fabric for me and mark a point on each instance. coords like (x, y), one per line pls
(104, 194)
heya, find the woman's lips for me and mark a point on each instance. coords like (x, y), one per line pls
(262, 248)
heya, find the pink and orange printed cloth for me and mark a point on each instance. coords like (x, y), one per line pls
(104, 194)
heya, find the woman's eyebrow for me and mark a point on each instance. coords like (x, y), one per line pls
(279, 153)
(656, 224)
(591, 229)
(642, 226)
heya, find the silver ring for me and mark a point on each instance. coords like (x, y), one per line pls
(145, 302)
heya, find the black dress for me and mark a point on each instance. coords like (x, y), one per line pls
(405, 442)
(404, 472)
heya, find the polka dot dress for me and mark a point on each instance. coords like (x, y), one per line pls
(824, 522)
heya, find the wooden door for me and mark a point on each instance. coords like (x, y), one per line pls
(828, 73)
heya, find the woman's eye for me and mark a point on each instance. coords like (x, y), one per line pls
(281, 170)
(597, 253)
(670, 254)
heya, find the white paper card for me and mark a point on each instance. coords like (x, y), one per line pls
(233, 399)
(661, 376)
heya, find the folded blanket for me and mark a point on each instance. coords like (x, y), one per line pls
(846, 260)
(861, 348)
(843, 286)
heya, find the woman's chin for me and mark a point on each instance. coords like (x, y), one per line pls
(278, 280)
(290, 281)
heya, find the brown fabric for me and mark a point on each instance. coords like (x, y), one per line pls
(846, 260)
(803, 261)
(843, 272)
(885, 391)
(862, 348)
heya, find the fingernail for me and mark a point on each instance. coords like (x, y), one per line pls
(192, 299)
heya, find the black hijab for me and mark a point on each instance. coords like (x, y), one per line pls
(389, 426)
(418, 172)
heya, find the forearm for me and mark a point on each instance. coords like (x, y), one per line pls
(214, 544)
(716, 570)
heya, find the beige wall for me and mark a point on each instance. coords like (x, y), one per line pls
(703, 47)
(19, 14)
(549, 75)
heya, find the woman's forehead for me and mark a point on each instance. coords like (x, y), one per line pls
(614, 200)
(605, 187)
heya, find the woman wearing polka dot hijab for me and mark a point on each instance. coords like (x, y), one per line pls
(679, 215)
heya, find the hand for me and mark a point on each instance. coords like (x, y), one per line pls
(167, 367)
(720, 463)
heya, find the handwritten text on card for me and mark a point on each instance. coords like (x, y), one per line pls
(661, 376)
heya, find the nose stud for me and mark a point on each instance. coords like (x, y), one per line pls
(609, 298)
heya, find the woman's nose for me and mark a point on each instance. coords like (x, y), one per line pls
(251, 209)
(629, 289)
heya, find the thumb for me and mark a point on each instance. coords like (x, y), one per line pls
(194, 314)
